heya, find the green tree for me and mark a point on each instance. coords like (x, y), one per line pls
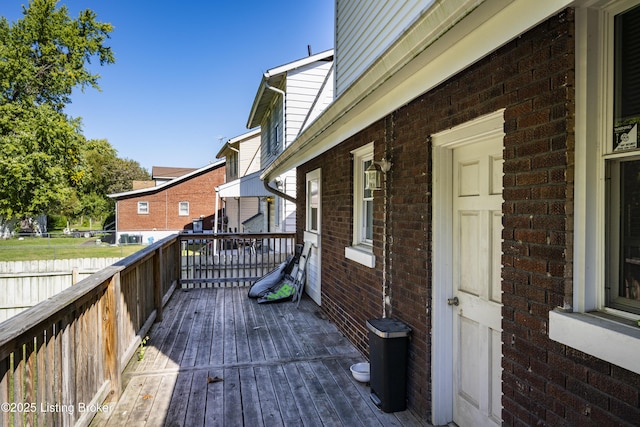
(104, 173)
(43, 57)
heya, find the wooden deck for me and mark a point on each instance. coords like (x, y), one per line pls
(219, 358)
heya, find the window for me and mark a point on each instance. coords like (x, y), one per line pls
(232, 165)
(313, 201)
(183, 208)
(143, 208)
(623, 173)
(362, 249)
(276, 138)
(601, 320)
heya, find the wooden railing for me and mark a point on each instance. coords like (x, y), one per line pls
(224, 260)
(63, 358)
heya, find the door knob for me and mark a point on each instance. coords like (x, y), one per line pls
(453, 301)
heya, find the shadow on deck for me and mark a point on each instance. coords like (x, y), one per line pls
(219, 358)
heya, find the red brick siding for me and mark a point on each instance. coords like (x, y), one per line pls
(533, 79)
(163, 204)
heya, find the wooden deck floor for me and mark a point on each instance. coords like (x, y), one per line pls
(219, 358)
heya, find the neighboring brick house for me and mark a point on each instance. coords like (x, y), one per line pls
(505, 232)
(152, 213)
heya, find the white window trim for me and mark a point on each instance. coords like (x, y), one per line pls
(359, 252)
(143, 211)
(581, 325)
(180, 211)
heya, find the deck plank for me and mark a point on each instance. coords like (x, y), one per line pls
(302, 398)
(263, 333)
(195, 413)
(162, 401)
(206, 334)
(189, 355)
(325, 409)
(232, 398)
(217, 343)
(214, 408)
(271, 414)
(251, 412)
(284, 394)
(336, 395)
(219, 358)
(179, 400)
(240, 331)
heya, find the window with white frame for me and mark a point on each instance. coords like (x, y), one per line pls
(313, 201)
(606, 295)
(362, 246)
(143, 208)
(232, 165)
(183, 208)
(276, 139)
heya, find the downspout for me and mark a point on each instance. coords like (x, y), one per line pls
(268, 187)
(277, 192)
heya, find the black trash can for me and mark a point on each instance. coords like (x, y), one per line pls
(388, 346)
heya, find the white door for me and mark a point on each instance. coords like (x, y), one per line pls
(312, 233)
(477, 250)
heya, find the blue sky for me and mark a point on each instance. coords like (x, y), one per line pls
(186, 73)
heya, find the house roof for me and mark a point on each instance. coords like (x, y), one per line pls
(167, 172)
(172, 182)
(275, 77)
(427, 54)
(234, 143)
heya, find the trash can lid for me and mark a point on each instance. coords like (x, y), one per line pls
(388, 328)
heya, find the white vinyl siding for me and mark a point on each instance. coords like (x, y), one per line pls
(365, 29)
(249, 156)
(324, 99)
(303, 86)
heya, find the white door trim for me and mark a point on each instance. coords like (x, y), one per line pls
(314, 278)
(443, 143)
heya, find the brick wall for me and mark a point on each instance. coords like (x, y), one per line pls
(163, 204)
(532, 78)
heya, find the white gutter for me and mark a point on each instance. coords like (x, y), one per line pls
(430, 52)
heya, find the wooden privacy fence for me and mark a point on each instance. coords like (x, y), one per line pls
(224, 260)
(61, 359)
(26, 283)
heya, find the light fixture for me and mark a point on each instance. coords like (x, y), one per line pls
(373, 174)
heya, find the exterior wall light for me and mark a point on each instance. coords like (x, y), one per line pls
(373, 174)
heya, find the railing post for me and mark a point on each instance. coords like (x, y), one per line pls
(178, 262)
(111, 354)
(157, 282)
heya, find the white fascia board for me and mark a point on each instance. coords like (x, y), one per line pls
(298, 63)
(279, 71)
(236, 141)
(380, 91)
(174, 181)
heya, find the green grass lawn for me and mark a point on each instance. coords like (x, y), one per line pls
(42, 248)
